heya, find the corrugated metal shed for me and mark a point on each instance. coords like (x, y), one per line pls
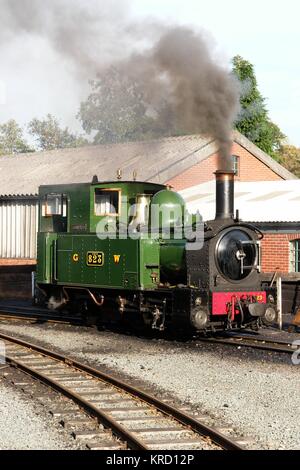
(263, 201)
(18, 222)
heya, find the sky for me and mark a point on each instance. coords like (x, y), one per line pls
(265, 32)
(35, 80)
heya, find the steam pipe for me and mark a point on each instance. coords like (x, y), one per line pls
(224, 194)
(99, 303)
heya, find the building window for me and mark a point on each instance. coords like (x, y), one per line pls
(107, 202)
(295, 256)
(236, 164)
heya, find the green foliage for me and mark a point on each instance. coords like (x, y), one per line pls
(289, 157)
(117, 111)
(12, 140)
(50, 136)
(253, 120)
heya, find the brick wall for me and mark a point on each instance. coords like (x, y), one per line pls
(251, 169)
(276, 251)
(17, 262)
(15, 282)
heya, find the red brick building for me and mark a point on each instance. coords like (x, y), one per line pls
(280, 247)
(251, 164)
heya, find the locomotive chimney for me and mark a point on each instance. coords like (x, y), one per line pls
(224, 194)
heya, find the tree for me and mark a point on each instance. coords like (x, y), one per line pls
(253, 120)
(289, 157)
(50, 136)
(117, 111)
(12, 140)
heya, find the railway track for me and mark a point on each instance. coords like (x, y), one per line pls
(135, 419)
(262, 343)
(33, 314)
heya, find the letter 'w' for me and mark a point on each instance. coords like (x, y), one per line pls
(117, 259)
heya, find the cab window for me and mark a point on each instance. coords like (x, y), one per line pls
(107, 202)
(54, 204)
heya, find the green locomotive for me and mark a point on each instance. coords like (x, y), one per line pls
(102, 248)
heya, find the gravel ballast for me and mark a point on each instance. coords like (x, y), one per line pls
(255, 392)
(22, 426)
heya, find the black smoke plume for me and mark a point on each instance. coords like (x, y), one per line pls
(179, 70)
(175, 65)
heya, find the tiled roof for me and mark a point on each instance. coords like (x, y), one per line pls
(157, 161)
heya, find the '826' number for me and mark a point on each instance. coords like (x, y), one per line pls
(95, 258)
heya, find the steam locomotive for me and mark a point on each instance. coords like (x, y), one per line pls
(102, 248)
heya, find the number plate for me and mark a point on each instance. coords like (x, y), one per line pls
(95, 258)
